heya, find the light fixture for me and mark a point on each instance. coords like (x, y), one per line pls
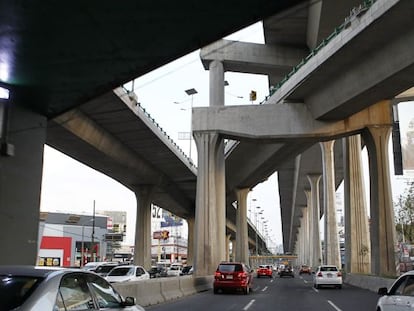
(191, 91)
(4, 93)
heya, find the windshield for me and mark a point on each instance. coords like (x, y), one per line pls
(16, 289)
(122, 271)
(104, 269)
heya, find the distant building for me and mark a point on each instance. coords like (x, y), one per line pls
(65, 238)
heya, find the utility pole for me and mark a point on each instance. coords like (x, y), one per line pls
(93, 233)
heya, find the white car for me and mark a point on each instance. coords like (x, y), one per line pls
(127, 273)
(327, 275)
(175, 270)
(400, 296)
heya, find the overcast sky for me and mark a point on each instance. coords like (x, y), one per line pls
(69, 186)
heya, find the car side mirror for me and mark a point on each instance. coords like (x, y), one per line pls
(382, 291)
(129, 301)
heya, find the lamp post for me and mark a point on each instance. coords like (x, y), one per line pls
(191, 92)
(257, 213)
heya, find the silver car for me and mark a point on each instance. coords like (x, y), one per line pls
(400, 296)
(25, 288)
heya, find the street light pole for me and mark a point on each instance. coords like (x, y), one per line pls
(191, 93)
(93, 233)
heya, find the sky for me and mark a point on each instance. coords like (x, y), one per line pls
(69, 186)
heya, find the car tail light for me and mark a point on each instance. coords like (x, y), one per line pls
(339, 274)
(242, 275)
(217, 275)
(320, 274)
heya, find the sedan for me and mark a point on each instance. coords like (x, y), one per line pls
(264, 270)
(127, 273)
(400, 296)
(27, 288)
(327, 275)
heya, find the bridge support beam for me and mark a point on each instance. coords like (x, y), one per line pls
(331, 250)
(20, 182)
(357, 242)
(190, 241)
(242, 247)
(316, 258)
(142, 249)
(210, 218)
(383, 241)
(305, 236)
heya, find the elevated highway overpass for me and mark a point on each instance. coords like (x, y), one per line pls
(301, 28)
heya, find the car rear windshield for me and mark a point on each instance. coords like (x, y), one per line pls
(121, 271)
(104, 269)
(329, 269)
(229, 268)
(16, 289)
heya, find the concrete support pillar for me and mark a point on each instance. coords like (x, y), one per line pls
(210, 225)
(20, 182)
(305, 236)
(357, 242)
(142, 249)
(383, 241)
(228, 241)
(242, 242)
(309, 213)
(331, 251)
(315, 208)
(216, 83)
(299, 244)
(190, 241)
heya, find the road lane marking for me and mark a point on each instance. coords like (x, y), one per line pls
(334, 306)
(315, 289)
(271, 281)
(265, 288)
(304, 281)
(249, 305)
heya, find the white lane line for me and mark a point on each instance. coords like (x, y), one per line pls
(271, 281)
(304, 281)
(333, 306)
(315, 289)
(265, 288)
(249, 305)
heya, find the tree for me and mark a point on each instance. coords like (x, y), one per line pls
(404, 216)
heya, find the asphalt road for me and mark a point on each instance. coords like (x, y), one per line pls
(282, 294)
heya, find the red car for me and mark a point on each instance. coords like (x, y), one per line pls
(264, 270)
(233, 275)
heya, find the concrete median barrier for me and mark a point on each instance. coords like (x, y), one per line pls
(145, 292)
(170, 288)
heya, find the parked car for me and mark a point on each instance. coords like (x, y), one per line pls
(155, 272)
(305, 269)
(327, 275)
(50, 289)
(233, 275)
(187, 270)
(264, 270)
(400, 296)
(175, 269)
(127, 273)
(286, 271)
(105, 268)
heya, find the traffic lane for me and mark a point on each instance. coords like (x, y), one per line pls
(347, 298)
(283, 294)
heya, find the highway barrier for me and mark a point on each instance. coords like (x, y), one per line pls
(158, 290)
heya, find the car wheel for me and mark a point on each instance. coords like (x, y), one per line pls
(339, 287)
(215, 290)
(246, 290)
(258, 276)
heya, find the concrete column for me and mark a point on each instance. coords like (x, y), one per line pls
(309, 213)
(20, 183)
(190, 241)
(210, 225)
(305, 236)
(228, 241)
(142, 249)
(383, 241)
(242, 242)
(315, 208)
(331, 251)
(216, 83)
(357, 242)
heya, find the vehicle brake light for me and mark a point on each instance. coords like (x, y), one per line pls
(320, 274)
(339, 274)
(217, 275)
(242, 275)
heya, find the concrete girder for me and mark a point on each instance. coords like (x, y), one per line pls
(252, 57)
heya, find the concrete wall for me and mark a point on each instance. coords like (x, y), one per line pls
(369, 282)
(155, 291)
